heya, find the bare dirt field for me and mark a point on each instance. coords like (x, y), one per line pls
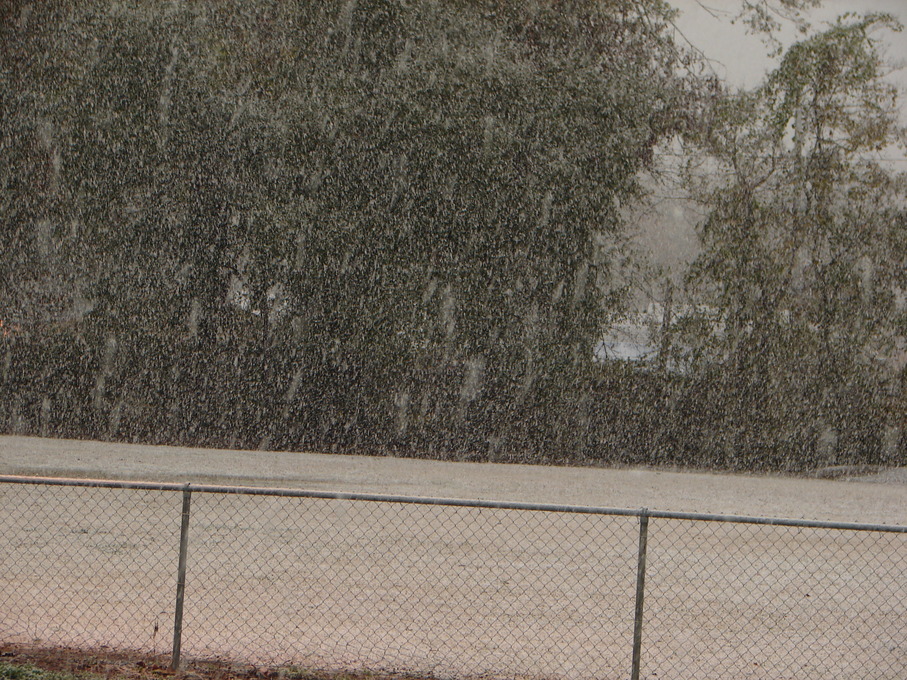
(452, 591)
(880, 498)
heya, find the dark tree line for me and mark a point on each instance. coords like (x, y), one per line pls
(357, 226)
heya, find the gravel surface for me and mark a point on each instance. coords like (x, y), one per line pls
(452, 592)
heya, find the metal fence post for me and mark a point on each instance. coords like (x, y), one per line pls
(181, 579)
(640, 591)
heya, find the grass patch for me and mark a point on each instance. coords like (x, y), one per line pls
(10, 671)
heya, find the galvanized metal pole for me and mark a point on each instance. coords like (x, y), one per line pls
(181, 579)
(640, 591)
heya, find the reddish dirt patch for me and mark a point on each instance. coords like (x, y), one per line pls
(118, 665)
(101, 662)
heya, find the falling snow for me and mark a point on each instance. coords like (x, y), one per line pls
(425, 230)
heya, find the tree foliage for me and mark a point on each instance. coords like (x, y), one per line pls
(339, 223)
(378, 225)
(803, 255)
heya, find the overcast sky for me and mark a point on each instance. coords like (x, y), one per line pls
(741, 59)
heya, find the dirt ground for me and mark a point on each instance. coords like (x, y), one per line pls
(877, 498)
(452, 592)
(109, 664)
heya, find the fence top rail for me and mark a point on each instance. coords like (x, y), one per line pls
(450, 502)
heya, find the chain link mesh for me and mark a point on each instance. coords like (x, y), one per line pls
(88, 567)
(415, 588)
(728, 600)
(448, 591)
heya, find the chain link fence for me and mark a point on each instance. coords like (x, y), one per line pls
(447, 588)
